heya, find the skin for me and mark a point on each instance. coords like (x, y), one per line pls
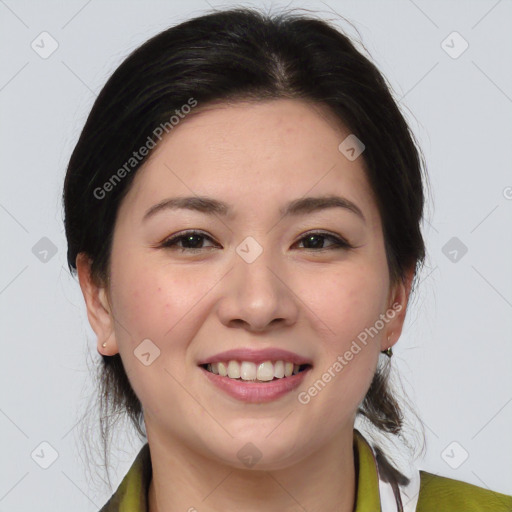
(256, 157)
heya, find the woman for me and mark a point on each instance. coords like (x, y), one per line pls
(243, 212)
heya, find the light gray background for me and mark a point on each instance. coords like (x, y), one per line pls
(455, 356)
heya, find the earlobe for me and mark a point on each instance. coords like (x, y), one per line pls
(98, 307)
(397, 309)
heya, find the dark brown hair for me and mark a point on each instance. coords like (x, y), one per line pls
(232, 55)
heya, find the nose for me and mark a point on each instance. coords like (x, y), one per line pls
(258, 295)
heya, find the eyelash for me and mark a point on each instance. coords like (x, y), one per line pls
(170, 243)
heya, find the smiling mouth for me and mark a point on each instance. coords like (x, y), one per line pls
(250, 372)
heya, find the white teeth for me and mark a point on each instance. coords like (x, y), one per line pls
(265, 371)
(279, 370)
(247, 370)
(233, 370)
(223, 371)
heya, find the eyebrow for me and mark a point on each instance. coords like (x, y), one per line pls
(213, 206)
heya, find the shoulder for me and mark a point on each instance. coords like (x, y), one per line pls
(131, 495)
(446, 494)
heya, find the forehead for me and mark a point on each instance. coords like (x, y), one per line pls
(252, 153)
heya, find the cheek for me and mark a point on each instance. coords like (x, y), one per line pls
(349, 303)
(348, 300)
(164, 305)
(158, 302)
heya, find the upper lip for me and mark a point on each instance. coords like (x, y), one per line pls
(256, 356)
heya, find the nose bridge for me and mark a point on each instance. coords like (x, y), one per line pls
(256, 266)
(257, 294)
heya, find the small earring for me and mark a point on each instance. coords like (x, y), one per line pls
(104, 344)
(388, 351)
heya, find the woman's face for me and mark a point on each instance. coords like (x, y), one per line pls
(251, 279)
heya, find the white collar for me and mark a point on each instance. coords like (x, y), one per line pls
(408, 495)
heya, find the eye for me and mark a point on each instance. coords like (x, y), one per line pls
(315, 239)
(191, 240)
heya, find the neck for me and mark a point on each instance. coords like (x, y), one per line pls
(185, 480)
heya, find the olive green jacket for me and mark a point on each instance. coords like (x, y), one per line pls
(427, 492)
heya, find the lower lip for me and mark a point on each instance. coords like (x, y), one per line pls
(256, 392)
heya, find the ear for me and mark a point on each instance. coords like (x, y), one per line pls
(398, 299)
(98, 308)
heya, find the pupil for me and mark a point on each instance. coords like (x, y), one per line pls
(191, 237)
(312, 237)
